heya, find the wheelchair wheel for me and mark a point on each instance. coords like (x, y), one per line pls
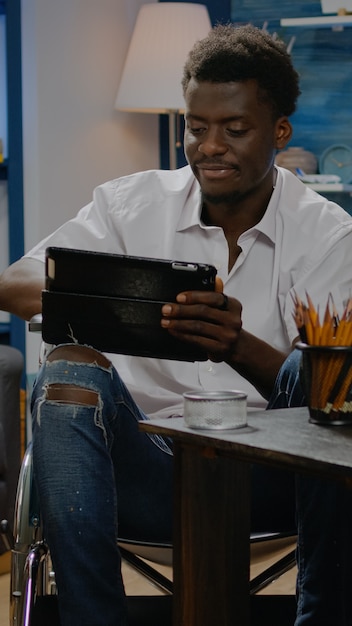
(32, 579)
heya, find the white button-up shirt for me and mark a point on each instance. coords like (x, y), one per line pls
(303, 242)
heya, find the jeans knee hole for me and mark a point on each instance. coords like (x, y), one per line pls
(71, 394)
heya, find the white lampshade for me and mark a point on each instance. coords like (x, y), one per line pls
(163, 35)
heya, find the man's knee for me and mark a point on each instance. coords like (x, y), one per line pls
(79, 354)
(71, 393)
(288, 391)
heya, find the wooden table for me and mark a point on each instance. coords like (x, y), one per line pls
(212, 502)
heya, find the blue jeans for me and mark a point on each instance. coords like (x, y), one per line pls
(324, 514)
(99, 478)
(81, 452)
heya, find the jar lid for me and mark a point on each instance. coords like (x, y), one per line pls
(215, 395)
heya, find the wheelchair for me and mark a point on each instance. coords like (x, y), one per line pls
(33, 588)
(33, 592)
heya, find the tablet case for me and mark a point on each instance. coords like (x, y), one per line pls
(113, 302)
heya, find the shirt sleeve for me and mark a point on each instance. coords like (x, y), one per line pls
(328, 272)
(92, 229)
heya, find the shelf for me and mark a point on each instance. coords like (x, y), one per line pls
(330, 188)
(324, 21)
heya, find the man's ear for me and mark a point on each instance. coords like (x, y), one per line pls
(283, 132)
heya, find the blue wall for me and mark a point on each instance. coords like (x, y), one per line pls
(323, 59)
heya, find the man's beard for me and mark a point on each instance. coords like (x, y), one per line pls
(225, 198)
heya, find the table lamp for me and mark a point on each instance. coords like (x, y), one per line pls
(151, 78)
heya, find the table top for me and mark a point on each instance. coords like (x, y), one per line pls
(283, 437)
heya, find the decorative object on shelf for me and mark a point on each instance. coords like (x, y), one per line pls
(297, 158)
(1, 152)
(337, 159)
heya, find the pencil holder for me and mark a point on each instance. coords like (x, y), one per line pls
(326, 375)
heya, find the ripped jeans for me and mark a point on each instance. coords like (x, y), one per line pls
(99, 478)
(85, 442)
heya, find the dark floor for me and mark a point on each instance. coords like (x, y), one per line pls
(157, 611)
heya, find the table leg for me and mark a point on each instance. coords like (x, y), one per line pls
(211, 538)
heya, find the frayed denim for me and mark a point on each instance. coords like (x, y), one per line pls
(92, 466)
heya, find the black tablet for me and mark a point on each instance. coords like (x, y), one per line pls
(113, 302)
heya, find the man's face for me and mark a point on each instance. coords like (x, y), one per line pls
(230, 138)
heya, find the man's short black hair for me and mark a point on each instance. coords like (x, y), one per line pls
(239, 53)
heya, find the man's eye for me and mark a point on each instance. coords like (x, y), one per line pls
(196, 130)
(236, 132)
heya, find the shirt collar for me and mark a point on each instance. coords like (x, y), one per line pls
(267, 225)
(191, 214)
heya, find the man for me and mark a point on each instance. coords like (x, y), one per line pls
(266, 233)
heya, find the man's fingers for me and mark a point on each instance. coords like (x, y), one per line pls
(219, 285)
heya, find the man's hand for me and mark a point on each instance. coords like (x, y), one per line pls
(199, 317)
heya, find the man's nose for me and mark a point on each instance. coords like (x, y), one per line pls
(212, 143)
